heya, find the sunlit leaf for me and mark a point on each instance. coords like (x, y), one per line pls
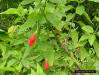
(88, 29)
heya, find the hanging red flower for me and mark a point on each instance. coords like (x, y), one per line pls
(32, 40)
(46, 65)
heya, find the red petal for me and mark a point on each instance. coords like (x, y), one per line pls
(32, 40)
(46, 65)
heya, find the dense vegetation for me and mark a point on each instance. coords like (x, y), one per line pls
(49, 37)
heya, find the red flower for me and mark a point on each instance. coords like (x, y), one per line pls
(32, 40)
(46, 65)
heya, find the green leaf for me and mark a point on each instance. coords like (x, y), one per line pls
(19, 67)
(19, 41)
(81, 43)
(81, 24)
(97, 18)
(33, 72)
(29, 23)
(54, 19)
(96, 47)
(87, 17)
(27, 52)
(1, 30)
(25, 2)
(84, 37)
(31, 10)
(50, 8)
(94, 0)
(47, 51)
(80, 10)
(58, 1)
(3, 49)
(98, 33)
(74, 36)
(39, 70)
(49, 56)
(11, 11)
(37, 3)
(26, 63)
(97, 65)
(11, 62)
(88, 29)
(73, 0)
(4, 37)
(21, 10)
(91, 39)
(83, 53)
(7, 69)
(71, 47)
(60, 73)
(63, 73)
(69, 7)
(69, 16)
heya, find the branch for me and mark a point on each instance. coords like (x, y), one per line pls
(57, 38)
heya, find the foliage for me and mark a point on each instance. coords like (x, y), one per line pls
(67, 36)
